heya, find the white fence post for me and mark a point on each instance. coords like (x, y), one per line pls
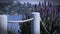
(3, 24)
(36, 23)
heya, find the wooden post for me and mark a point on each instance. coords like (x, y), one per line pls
(35, 25)
(3, 24)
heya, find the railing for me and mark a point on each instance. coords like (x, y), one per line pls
(35, 27)
(21, 21)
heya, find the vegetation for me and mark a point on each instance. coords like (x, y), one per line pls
(48, 13)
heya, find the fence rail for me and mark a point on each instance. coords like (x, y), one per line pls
(21, 20)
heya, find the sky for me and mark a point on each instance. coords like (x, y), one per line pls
(30, 1)
(22, 1)
(37, 1)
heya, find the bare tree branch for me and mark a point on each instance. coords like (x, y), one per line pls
(54, 32)
(45, 27)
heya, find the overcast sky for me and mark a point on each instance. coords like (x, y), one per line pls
(30, 1)
(37, 1)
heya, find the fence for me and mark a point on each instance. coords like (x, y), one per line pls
(35, 25)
